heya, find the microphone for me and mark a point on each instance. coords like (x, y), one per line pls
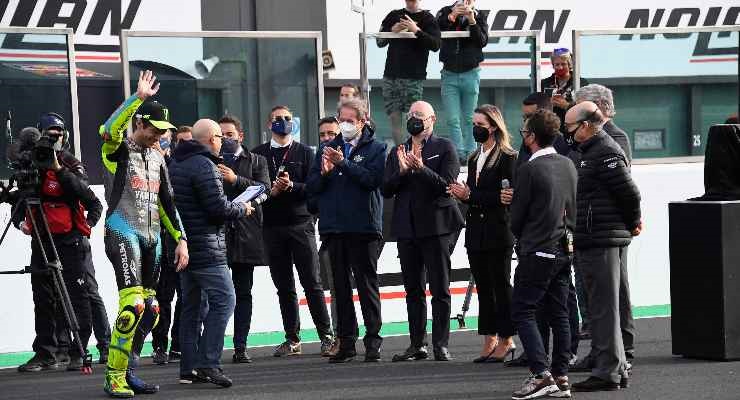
(9, 127)
(505, 184)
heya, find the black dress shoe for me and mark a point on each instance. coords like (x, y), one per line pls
(343, 356)
(594, 384)
(241, 357)
(372, 355)
(442, 354)
(586, 364)
(520, 362)
(412, 353)
(215, 376)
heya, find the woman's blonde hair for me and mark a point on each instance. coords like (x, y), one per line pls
(496, 119)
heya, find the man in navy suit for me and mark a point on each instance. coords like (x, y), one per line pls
(425, 221)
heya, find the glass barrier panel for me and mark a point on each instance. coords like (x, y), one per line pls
(34, 79)
(245, 77)
(505, 73)
(668, 88)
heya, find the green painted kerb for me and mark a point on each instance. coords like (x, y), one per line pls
(309, 335)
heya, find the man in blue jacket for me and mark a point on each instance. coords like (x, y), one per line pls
(346, 178)
(204, 209)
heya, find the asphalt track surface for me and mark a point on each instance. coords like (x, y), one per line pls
(656, 375)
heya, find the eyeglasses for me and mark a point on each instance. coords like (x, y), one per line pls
(524, 132)
(279, 118)
(560, 51)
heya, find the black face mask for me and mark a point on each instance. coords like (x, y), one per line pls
(415, 126)
(480, 134)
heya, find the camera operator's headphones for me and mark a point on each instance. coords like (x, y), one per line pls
(50, 120)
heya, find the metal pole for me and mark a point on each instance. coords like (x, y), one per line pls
(364, 81)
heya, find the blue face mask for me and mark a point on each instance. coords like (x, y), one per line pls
(282, 127)
(229, 150)
(164, 143)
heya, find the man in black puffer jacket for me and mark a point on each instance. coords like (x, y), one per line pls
(608, 217)
(204, 209)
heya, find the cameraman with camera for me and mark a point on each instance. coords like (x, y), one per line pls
(61, 186)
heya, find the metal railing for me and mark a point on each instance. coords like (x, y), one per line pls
(536, 52)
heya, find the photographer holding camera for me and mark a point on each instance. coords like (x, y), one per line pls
(64, 195)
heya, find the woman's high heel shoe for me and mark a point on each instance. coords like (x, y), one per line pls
(486, 358)
(510, 353)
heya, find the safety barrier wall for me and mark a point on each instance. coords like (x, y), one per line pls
(648, 264)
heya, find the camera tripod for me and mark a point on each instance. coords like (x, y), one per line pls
(42, 234)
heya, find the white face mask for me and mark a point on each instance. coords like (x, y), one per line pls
(349, 130)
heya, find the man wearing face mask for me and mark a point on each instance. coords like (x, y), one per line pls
(346, 178)
(289, 233)
(608, 218)
(425, 221)
(241, 169)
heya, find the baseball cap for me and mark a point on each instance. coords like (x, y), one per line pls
(50, 120)
(156, 113)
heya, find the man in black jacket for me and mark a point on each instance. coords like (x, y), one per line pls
(204, 210)
(608, 218)
(425, 221)
(241, 169)
(346, 177)
(289, 233)
(542, 213)
(604, 99)
(65, 196)
(461, 72)
(406, 62)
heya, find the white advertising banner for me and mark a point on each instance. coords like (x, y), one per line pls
(97, 24)
(661, 55)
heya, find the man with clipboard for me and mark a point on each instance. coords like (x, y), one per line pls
(245, 178)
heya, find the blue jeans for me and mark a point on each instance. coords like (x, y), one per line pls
(542, 282)
(204, 350)
(459, 99)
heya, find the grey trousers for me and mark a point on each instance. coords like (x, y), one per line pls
(327, 280)
(626, 321)
(601, 269)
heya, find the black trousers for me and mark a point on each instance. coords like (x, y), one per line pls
(421, 260)
(491, 270)
(356, 255)
(327, 280)
(100, 324)
(52, 330)
(242, 275)
(542, 283)
(168, 286)
(286, 246)
(544, 326)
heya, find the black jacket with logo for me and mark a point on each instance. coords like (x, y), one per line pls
(608, 200)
